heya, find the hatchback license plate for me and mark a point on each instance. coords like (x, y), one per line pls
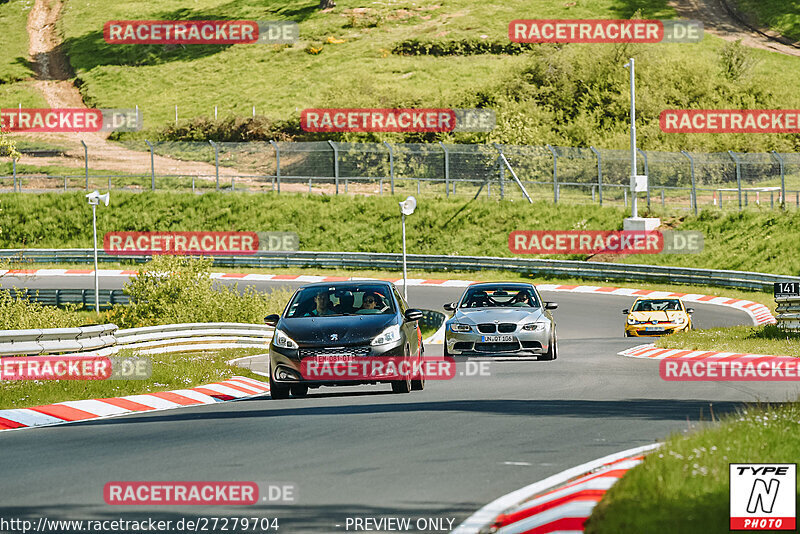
(497, 339)
(329, 358)
(653, 329)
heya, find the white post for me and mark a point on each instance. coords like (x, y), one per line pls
(215, 112)
(633, 138)
(96, 279)
(405, 274)
(254, 112)
(176, 114)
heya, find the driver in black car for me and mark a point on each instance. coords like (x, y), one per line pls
(322, 304)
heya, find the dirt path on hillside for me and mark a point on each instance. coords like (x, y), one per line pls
(718, 20)
(54, 80)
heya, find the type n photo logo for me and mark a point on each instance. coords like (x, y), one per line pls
(762, 497)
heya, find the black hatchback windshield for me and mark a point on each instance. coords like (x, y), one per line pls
(322, 301)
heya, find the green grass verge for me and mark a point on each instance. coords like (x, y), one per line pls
(766, 339)
(774, 14)
(170, 371)
(683, 486)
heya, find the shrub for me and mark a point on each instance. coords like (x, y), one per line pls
(19, 313)
(174, 289)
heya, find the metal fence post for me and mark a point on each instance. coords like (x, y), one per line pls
(694, 188)
(335, 164)
(391, 164)
(86, 162)
(502, 172)
(599, 175)
(783, 179)
(446, 169)
(152, 167)
(277, 164)
(646, 173)
(555, 174)
(738, 176)
(216, 159)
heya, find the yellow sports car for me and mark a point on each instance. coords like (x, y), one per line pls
(657, 317)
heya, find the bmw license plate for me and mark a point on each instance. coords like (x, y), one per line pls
(653, 329)
(497, 339)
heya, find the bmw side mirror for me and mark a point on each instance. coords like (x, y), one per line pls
(689, 310)
(450, 306)
(272, 320)
(413, 315)
(550, 305)
(625, 311)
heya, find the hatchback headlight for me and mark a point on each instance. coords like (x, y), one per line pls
(458, 327)
(282, 340)
(679, 320)
(390, 335)
(534, 327)
(631, 320)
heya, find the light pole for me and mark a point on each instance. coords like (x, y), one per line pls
(630, 65)
(407, 207)
(94, 199)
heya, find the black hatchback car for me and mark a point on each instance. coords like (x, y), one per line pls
(342, 321)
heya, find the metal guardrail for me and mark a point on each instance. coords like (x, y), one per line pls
(386, 261)
(104, 340)
(83, 297)
(56, 340)
(788, 313)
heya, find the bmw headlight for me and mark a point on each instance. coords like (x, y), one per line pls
(390, 335)
(282, 340)
(458, 327)
(534, 327)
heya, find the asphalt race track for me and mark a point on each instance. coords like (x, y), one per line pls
(365, 452)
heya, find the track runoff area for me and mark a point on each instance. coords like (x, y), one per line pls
(363, 458)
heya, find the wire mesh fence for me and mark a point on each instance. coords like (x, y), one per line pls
(676, 180)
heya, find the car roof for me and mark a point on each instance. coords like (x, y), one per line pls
(657, 298)
(348, 283)
(520, 285)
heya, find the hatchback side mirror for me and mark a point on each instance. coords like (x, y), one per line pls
(550, 305)
(689, 310)
(413, 315)
(625, 311)
(450, 306)
(272, 320)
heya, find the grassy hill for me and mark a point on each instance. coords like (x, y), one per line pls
(777, 15)
(565, 95)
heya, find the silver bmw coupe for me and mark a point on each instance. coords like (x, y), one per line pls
(501, 319)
